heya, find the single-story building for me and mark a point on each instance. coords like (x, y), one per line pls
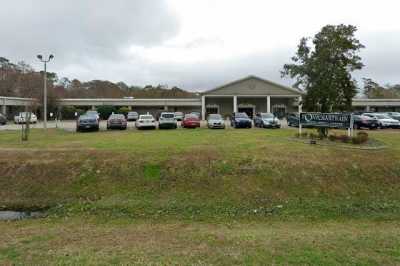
(250, 94)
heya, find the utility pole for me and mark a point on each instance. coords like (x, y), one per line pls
(45, 61)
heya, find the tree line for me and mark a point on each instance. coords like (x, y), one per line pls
(22, 80)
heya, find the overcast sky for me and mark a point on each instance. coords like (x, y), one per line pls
(193, 44)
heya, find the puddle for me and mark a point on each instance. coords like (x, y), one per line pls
(19, 215)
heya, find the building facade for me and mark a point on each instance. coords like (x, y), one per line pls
(250, 94)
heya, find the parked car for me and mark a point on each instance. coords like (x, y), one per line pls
(132, 116)
(196, 114)
(167, 120)
(363, 121)
(191, 121)
(266, 120)
(394, 115)
(384, 121)
(116, 121)
(178, 116)
(20, 118)
(240, 120)
(87, 122)
(146, 121)
(215, 121)
(93, 113)
(3, 119)
(293, 119)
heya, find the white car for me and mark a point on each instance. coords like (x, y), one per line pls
(384, 121)
(146, 121)
(20, 118)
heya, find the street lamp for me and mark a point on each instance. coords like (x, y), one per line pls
(45, 61)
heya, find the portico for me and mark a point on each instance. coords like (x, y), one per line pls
(250, 95)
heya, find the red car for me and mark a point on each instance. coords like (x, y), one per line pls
(191, 121)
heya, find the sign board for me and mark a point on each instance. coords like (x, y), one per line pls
(328, 120)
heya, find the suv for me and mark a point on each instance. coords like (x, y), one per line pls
(240, 120)
(363, 121)
(266, 120)
(87, 122)
(167, 120)
(93, 113)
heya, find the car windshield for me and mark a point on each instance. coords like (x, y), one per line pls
(146, 117)
(382, 116)
(241, 115)
(91, 112)
(82, 117)
(215, 116)
(191, 116)
(168, 115)
(267, 115)
(132, 113)
(117, 116)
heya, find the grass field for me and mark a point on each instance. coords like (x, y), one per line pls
(199, 197)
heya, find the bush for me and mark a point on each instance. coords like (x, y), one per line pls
(362, 137)
(313, 136)
(105, 111)
(304, 134)
(124, 110)
(68, 112)
(332, 137)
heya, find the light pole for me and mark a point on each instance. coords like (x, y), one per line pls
(45, 61)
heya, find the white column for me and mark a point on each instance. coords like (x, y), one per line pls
(93, 107)
(268, 104)
(235, 109)
(300, 106)
(4, 109)
(367, 108)
(165, 107)
(203, 107)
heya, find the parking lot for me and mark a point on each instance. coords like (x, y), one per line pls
(70, 125)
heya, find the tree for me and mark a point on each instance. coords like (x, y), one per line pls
(375, 91)
(323, 70)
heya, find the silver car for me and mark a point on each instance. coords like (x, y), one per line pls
(132, 116)
(167, 120)
(178, 116)
(215, 121)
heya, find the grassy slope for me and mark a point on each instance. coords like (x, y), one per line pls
(242, 177)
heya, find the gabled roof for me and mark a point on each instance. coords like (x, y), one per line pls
(289, 89)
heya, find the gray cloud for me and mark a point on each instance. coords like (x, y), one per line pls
(82, 32)
(91, 40)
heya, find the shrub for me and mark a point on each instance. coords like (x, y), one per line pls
(124, 110)
(362, 137)
(105, 111)
(313, 136)
(304, 134)
(345, 138)
(332, 137)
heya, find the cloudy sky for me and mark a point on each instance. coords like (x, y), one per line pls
(192, 44)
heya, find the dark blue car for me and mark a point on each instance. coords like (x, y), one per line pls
(240, 120)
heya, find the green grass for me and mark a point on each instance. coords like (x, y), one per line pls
(199, 197)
